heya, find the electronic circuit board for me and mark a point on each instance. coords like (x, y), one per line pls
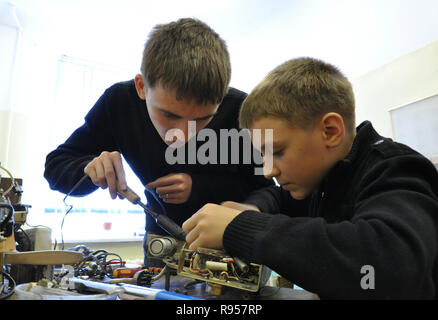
(208, 265)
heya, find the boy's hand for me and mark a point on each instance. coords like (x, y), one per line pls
(106, 171)
(174, 188)
(207, 226)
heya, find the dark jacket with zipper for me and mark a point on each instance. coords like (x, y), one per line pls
(368, 232)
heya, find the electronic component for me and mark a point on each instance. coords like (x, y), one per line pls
(162, 247)
(95, 264)
(6, 210)
(212, 266)
(208, 265)
(6, 218)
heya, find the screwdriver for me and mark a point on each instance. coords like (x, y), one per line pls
(163, 221)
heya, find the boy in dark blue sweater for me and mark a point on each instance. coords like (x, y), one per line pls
(185, 75)
(354, 215)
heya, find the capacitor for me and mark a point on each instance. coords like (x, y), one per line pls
(216, 266)
(241, 265)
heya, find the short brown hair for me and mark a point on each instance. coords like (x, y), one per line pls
(188, 56)
(301, 91)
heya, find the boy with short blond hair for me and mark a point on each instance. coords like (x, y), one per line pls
(354, 215)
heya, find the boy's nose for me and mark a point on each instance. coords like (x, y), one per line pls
(270, 171)
(181, 133)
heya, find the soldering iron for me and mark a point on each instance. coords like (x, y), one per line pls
(162, 220)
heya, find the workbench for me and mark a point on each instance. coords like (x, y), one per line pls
(173, 282)
(200, 290)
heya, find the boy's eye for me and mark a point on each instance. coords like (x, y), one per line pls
(204, 119)
(278, 153)
(171, 116)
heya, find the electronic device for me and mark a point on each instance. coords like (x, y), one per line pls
(208, 265)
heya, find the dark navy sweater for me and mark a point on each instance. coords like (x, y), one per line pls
(377, 207)
(119, 121)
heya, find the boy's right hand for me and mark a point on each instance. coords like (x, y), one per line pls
(206, 227)
(106, 171)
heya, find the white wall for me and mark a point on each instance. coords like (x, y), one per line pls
(10, 31)
(400, 82)
(356, 35)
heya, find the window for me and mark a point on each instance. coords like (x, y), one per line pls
(95, 217)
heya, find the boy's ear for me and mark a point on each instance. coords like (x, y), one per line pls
(140, 86)
(332, 129)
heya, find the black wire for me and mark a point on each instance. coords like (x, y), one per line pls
(12, 288)
(150, 211)
(70, 207)
(29, 244)
(107, 264)
(85, 250)
(103, 267)
(62, 226)
(101, 251)
(11, 212)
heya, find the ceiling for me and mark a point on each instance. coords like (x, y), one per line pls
(356, 35)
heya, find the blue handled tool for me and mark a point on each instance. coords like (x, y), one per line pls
(110, 289)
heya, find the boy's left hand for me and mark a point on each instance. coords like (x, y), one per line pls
(206, 227)
(174, 188)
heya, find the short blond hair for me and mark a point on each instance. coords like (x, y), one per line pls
(301, 91)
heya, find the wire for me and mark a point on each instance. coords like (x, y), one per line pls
(5, 221)
(161, 274)
(62, 226)
(27, 247)
(95, 264)
(36, 226)
(153, 213)
(70, 207)
(11, 285)
(12, 180)
(6, 205)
